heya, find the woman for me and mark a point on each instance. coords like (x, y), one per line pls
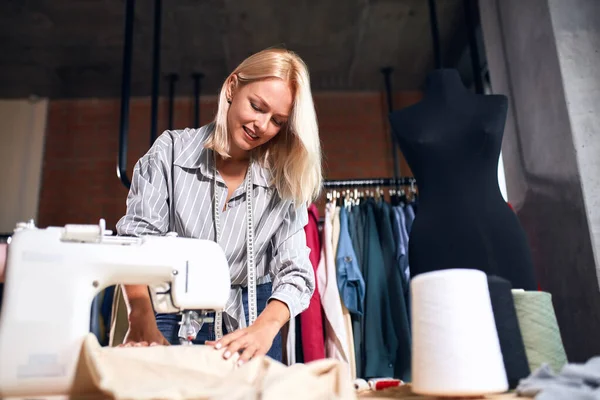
(263, 145)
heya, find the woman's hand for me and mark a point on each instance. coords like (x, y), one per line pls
(257, 339)
(143, 331)
(143, 335)
(253, 341)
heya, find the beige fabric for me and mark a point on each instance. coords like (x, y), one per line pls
(335, 232)
(350, 333)
(346, 314)
(200, 372)
(118, 323)
(336, 341)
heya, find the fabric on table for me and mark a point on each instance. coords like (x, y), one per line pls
(574, 382)
(200, 372)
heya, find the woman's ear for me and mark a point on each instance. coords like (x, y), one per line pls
(231, 86)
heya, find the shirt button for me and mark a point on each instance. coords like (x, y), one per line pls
(348, 259)
(390, 365)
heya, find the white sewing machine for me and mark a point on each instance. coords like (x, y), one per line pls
(53, 274)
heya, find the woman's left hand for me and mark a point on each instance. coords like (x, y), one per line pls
(253, 341)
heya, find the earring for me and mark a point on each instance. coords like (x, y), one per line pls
(229, 101)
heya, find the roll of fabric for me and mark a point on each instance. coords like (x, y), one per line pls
(539, 329)
(509, 333)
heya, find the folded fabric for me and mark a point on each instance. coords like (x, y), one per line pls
(574, 382)
(200, 372)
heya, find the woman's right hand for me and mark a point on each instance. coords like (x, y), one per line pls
(143, 332)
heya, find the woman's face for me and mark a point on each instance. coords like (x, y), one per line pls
(256, 114)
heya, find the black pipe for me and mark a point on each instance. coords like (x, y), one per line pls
(435, 34)
(400, 181)
(469, 8)
(197, 89)
(155, 71)
(125, 94)
(387, 74)
(172, 78)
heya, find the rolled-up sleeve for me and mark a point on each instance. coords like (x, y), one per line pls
(148, 199)
(291, 271)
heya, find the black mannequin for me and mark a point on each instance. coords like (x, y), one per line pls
(452, 140)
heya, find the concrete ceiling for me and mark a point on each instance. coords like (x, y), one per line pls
(66, 48)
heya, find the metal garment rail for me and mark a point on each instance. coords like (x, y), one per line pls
(371, 182)
(387, 74)
(125, 94)
(435, 34)
(197, 77)
(172, 79)
(126, 85)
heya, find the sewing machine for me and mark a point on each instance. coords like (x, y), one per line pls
(53, 275)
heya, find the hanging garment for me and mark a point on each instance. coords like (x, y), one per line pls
(402, 254)
(311, 320)
(401, 235)
(350, 280)
(358, 234)
(409, 213)
(350, 341)
(290, 343)
(396, 291)
(353, 232)
(350, 284)
(345, 313)
(336, 338)
(380, 342)
(335, 232)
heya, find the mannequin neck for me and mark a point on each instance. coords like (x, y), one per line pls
(444, 81)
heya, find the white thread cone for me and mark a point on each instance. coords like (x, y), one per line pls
(456, 351)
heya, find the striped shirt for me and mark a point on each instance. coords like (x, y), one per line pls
(178, 162)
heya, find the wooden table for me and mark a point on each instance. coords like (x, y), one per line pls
(405, 393)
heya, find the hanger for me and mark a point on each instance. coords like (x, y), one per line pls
(413, 191)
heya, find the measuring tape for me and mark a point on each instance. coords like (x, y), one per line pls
(252, 311)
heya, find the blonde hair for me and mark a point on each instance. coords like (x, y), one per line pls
(294, 155)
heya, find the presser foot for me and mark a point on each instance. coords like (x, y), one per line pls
(190, 325)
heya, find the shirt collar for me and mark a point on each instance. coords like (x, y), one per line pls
(191, 154)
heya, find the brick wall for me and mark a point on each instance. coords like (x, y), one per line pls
(79, 181)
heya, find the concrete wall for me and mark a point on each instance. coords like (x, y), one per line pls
(22, 132)
(544, 55)
(577, 30)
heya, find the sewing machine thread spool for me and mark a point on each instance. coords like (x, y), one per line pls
(456, 351)
(81, 233)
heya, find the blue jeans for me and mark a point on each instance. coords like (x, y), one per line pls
(168, 324)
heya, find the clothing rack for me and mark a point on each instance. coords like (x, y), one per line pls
(371, 182)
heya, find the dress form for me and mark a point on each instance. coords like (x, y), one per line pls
(451, 140)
